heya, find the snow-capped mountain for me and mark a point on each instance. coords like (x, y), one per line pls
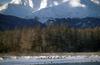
(18, 8)
(71, 8)
(53, 8)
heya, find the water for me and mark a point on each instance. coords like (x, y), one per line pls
(96, 63)
(89, 63)
(36, 60)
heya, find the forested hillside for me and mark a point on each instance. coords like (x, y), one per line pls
(53, 38)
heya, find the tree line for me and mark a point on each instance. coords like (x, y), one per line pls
(53, 38)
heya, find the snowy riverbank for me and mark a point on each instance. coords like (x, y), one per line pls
(50, 59)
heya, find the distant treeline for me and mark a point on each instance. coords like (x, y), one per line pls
(57, 38)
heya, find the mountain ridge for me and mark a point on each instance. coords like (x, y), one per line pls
(12, 22)
(8, 22)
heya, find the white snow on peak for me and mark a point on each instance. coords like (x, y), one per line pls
(25, 2)
(2, 7)
(31, 3)
(50, 3)
(43, 4)
(16, 2)
(76, 3)
(96, 1)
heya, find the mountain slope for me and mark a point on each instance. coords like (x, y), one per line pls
(12, 22)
